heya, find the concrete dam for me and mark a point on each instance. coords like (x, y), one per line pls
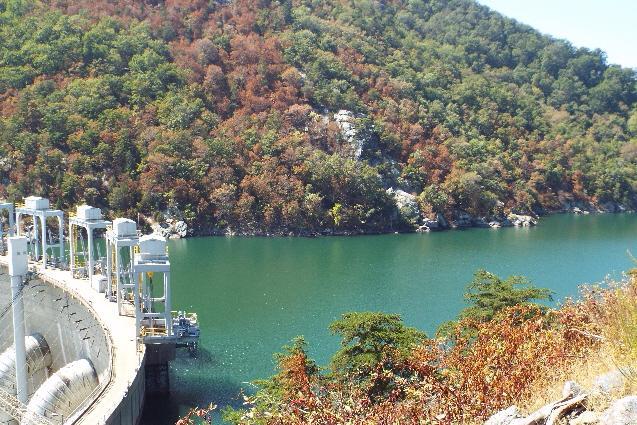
(83, 336)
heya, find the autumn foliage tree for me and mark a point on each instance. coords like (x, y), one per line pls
(223, 113)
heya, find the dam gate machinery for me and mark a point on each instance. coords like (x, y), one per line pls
(134, 274)
(39, 236)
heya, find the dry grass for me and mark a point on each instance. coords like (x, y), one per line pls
(614, 312)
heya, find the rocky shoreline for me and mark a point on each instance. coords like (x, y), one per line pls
(173, 228)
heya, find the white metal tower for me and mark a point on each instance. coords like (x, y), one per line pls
(38, 209)
(153, 314)
(87, 218)
(121, 239)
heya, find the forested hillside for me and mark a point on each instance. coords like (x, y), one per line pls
(297, 116)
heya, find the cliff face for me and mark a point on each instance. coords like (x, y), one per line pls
(295, 116)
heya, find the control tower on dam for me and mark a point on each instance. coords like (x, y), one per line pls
(85, 333)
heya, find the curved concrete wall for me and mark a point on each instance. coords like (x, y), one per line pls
(74, 332)
(70, 329)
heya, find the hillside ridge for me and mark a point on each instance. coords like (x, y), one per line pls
(305, 117)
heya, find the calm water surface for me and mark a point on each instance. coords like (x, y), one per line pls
(253, 295)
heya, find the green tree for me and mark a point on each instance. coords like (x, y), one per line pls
(367, 338)
(488, 294)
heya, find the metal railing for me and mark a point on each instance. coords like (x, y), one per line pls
(153, 331)
(190, 316)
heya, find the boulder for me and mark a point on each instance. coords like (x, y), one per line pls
(621, 412)
(428, 225)
(505, 417)
(522, 220)
(495, 224)
(611, 381)
(571, 389)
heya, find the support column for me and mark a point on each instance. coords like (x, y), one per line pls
(35, 237)
(61, 239)
(138, 310)
(18, 217)
(44, 244)
(89, 261)
(118, 278)
(72, 249)
(11, 222)
(109, 270)
(167, 304)
(18, 266)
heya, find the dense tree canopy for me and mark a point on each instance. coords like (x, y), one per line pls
(227, 113)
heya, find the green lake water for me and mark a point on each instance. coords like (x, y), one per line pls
(253, 295)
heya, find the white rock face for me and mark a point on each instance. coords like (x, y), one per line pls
(171, 229)
(428, 225)
(406, 203)
(571, 389)
(346, 122)
(181, 228)
(621, 412)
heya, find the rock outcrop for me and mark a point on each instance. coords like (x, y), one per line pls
(407, 205)
(461, 219)
(610, 207)
(346, 122)
(621, 412)
(171, 229)
(519, 220)
(611, 381)
(428, 225)
(573, 409)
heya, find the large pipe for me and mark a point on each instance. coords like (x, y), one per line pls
(60, 395)
(38, 357)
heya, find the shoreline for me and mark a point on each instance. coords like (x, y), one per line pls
(476, 223)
